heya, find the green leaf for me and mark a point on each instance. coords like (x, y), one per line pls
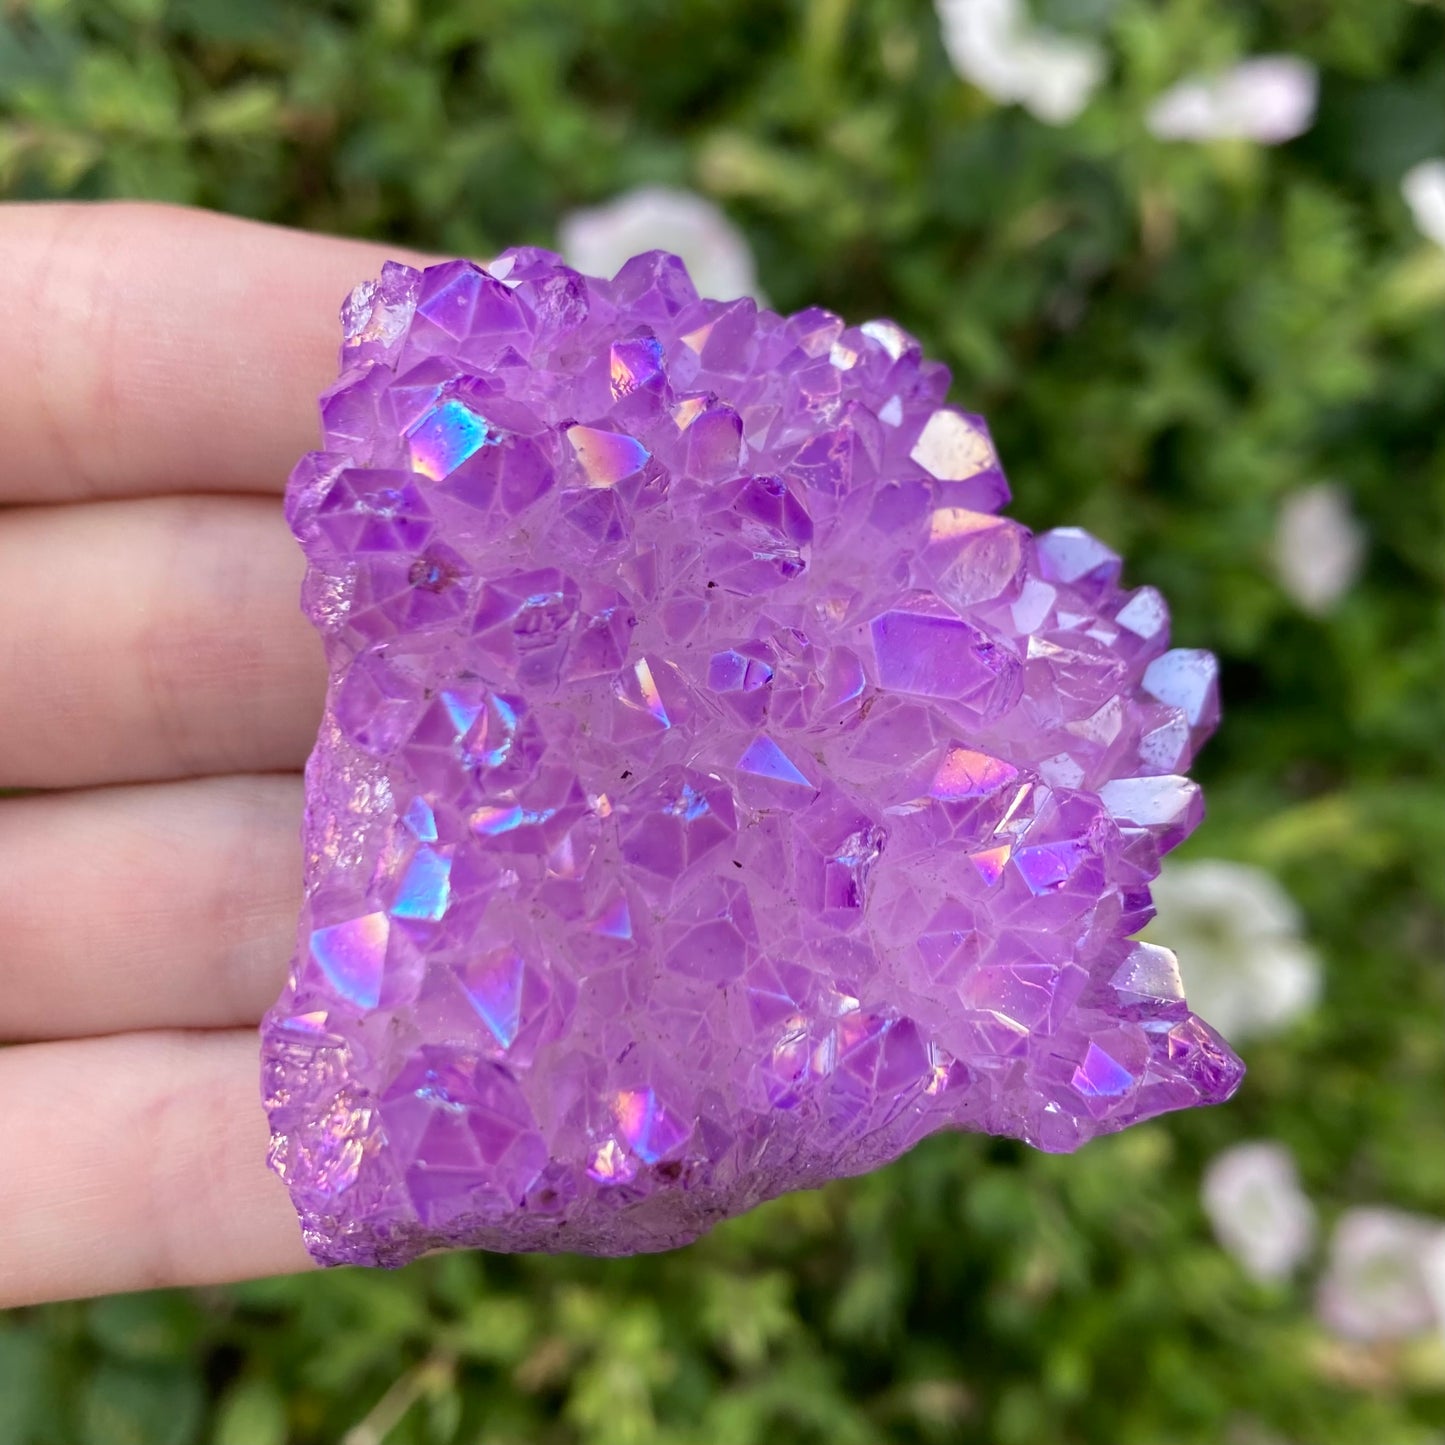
(252, 1412)
(250, 109)
(121, 95)
(159, 1326)
(24, 1385)
(139, 1405)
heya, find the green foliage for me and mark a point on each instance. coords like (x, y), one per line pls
(1166, 339)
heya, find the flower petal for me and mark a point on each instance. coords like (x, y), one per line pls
(1318, 546)
(600, 239)
(1260, 1214)
(1269, 99)
(1424, 191)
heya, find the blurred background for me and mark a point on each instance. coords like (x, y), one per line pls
(1189, 258)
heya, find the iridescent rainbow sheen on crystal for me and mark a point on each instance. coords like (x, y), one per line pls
(716, 794)
(444, 438)
(606, 457)
(351, 955)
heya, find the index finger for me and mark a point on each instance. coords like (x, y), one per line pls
(151, 349)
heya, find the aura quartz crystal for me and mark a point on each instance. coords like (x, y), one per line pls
(715, 794)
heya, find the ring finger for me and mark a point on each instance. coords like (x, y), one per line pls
(168, 906)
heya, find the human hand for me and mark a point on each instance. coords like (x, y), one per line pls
(158, 680)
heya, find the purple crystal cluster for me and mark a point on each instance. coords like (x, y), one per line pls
(715, 795)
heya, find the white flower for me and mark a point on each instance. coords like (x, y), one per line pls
(1424, 189)
(1252, 1196)
(1246, 970)
(993, 45)
(1432, 1269)
(1318, 546)
(599, 240)
(1269, 99)
(1376, 1284)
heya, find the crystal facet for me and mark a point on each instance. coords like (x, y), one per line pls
(715, 795)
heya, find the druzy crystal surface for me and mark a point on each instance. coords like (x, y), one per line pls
(715, 794)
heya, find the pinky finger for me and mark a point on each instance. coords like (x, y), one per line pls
(136, 1161)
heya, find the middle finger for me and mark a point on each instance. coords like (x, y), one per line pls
(153, 639)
